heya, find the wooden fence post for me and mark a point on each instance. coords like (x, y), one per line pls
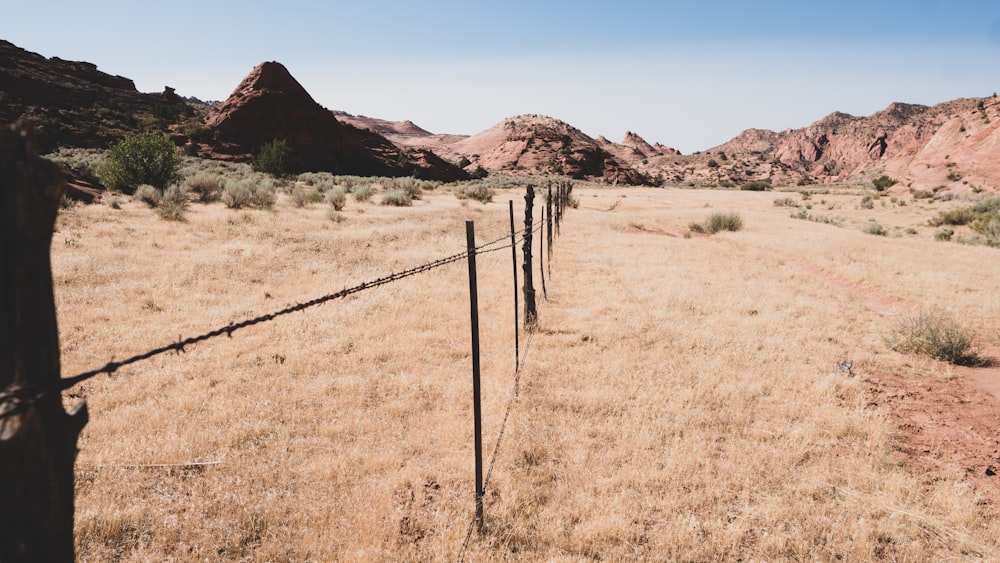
(530, 312)
(548, 225)
(541, 253)
(37, 437)
(477, 413)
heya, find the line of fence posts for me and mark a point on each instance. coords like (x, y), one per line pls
(37, 437)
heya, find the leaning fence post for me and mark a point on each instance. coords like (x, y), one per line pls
(470, 236)
(37, 437)
(513, 256)
(530, 313)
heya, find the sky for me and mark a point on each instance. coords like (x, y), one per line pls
(690, 75)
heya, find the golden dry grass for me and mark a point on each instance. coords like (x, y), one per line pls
(679, 402)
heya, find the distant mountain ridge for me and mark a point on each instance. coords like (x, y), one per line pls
(953, 146)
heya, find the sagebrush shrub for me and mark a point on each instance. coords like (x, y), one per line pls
(362, 192)
(174, 203)
(303, 197)
(478, 192)
(873, 228)
(937, 334)
(237, 194)
(718, 222)
(206, 187)
(399, 198)
(337, 198)
(148, 195)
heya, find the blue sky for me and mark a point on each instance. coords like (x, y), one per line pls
(687, 74)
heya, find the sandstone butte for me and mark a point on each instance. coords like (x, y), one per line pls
(270, 104)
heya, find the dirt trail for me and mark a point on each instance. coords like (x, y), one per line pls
(949, 427)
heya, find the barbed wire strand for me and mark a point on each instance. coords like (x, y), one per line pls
(15, 400)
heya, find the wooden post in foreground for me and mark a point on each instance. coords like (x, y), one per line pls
(477, 415)
(37, 437)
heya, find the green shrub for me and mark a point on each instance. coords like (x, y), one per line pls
(718, 222)
(275, 158)
(873, 228)
(206, 187)
(936, 334)
(959, 216)
(398, 198)
(141, 159)
(712, 163)
(757, 185)
(148, 195)
(337, 198)
(883, 183)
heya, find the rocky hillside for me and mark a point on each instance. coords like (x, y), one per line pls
(634, 149)
(75, 104)
(270, 104)
(951, 146)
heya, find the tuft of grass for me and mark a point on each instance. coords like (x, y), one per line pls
(335, 216)
(785, 202)
(944, 233)
(397, 198)
(718, 222)
(936, 334)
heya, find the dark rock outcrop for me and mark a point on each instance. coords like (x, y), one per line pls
(270, 104)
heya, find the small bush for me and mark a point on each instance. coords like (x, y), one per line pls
(275, 158)
(478, 192)
(335, 216)
(757, 186)
(712, 163)
(138, 160)
(785, 202)
(883, 183)
(398, 198)
(206, 187)
(264, 194)
(303, 197)
(944, 233)
(867, 202)
(873, 228)
(936, 334)
(237, 194)
(148, 195)
(362, 192)
(173, 206)
(718, 222)
(337, 198)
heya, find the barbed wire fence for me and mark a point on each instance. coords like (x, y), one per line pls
(21, 396)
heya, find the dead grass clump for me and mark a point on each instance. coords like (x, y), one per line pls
(174, 204)
(936, 334)
(362, 192)
(479, 192)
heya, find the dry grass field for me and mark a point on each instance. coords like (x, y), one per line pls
(680, 401)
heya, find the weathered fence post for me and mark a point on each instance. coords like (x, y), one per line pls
(541, 253)
(530, 312)
(517, 306)
(37, 437)
(477, 415)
